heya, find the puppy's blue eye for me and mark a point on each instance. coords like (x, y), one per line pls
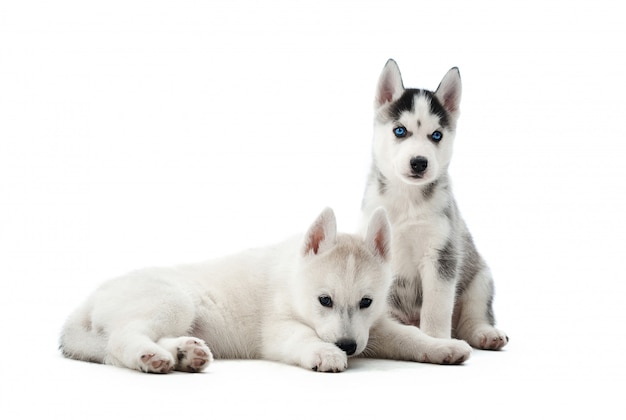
(399, 132)
(365, 303)
(436, 136)
(326, 301)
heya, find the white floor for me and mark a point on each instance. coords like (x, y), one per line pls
(156, 133)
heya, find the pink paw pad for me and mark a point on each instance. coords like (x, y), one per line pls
(154, 364)
(193, 356)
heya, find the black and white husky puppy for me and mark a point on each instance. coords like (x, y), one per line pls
(441, 283)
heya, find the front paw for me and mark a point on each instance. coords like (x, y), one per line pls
(328, 358)
(447, 352)
(488, 338)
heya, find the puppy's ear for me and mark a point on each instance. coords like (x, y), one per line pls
(378, 236)
(390, 85)
(449, 91)
(322, 234)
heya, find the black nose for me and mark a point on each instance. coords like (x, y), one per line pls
(347, 345)
(419, 165)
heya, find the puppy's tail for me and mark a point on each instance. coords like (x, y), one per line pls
(80, 340)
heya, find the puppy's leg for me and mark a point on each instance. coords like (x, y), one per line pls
(133, 346)
(474, 319)
(132, 349)
(136, 332)
(391, 340)
(438, 301)
(294, 343)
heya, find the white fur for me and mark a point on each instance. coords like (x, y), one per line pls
(262, 303)
(425, 219)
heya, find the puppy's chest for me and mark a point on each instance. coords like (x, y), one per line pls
(416, 237)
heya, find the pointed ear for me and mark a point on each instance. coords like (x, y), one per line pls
(322, 234)
(449, 91)
(390, 85)
(378, 236)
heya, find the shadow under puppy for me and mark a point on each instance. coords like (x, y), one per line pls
(311, 301)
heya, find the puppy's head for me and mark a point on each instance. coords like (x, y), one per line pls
(343, 281)
(414, 129)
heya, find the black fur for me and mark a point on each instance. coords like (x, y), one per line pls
(400, 281)
(448, 261)
(490, 316)
(406, 102)
(399, 293)
(396, 293)
(429, 190)
(437, 108)
(442, 183)
(403, 103)
(472, 264)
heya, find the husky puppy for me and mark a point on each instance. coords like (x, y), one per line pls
(441, 283)
(310, 301)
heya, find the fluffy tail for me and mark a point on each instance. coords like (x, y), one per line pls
(80, 340)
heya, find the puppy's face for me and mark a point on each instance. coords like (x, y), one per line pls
(342, 281)
(413, 138)
(343, 292)
(414, 129)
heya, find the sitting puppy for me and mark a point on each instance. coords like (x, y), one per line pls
(441, 283)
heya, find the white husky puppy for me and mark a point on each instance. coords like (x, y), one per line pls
(310, 301)
(441, 284)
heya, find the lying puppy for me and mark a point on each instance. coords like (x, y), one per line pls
(311, 301)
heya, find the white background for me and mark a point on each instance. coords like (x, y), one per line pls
(154, 133)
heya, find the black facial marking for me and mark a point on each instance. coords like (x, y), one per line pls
(406, 102)
(448, 261)
(438, 109)
(403, 103)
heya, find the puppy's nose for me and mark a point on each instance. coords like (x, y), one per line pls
(347, 345)
(419, 164)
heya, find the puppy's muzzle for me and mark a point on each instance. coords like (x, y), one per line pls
(419, 165)
(347, 345)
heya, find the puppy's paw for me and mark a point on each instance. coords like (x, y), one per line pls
(156, 362)
(328, 358)
(447, 352)
(193, 355)
(488, 338)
